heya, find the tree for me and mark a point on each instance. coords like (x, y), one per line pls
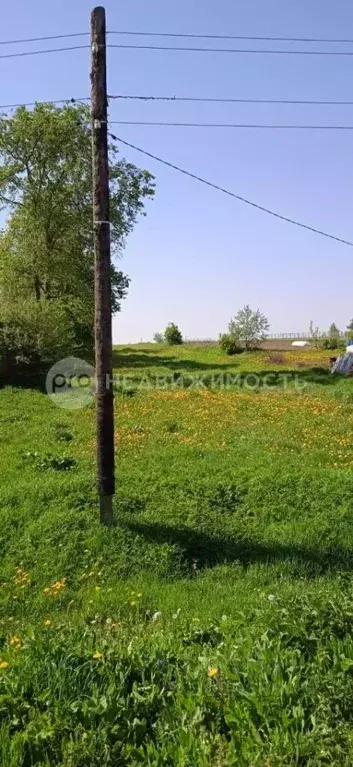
(158, 338)
(172, 335)
(349, 335)
(249, 327)
(333, 331)
(314, 332)
(46, 248)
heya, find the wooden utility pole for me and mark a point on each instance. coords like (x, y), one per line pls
(102, 297)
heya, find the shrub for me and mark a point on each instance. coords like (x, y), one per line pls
(333, 343)
(36, 333)
(230, 344)
(172, 335)
(329, 343)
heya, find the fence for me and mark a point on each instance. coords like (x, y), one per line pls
(304, 336)
(276, 337)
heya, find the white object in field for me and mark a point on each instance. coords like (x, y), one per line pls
(300, 343)
(343, 365)
(349, 349)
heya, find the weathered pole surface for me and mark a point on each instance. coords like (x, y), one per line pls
(102, 295)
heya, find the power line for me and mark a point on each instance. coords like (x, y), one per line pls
(49, 101)
(182, 35)
(47, 37)
(180, 49)
(185, 98)
(234, 37)
(38, 53)
(182, 99)
(214, 100)
(241, 126)
(232, 194)
(229, 50)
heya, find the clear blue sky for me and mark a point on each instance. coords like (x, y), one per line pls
(198, 256)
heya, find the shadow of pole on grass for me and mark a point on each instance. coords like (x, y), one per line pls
(142, 360)
(210, 550)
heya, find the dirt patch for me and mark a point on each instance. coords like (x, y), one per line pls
(283, 344)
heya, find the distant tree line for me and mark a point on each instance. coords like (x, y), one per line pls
(248, 329)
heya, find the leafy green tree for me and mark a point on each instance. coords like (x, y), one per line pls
(249, 327)
(158, 338)
(172, 335)
(46, 248)
(333, 331)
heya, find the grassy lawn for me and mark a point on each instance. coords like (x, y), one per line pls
(213, 624)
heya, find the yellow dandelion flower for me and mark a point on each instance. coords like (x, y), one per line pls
(212, 672)
(133, 603)
(16, 642)
(98, 655)
(47, 623)
(4, 665)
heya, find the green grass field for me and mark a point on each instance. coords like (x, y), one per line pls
(213, 624)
